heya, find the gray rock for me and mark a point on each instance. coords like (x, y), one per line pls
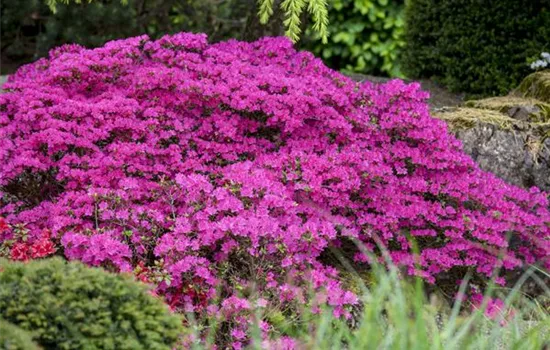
(519, 157)
(524, 113)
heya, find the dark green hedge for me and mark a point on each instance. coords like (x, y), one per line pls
(481, 47)
(72, 306)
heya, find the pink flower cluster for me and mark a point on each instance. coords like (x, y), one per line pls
(232, 168)
(494, 308)
(97, 249)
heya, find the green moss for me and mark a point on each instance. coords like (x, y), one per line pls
(490, 111)
(536, 85)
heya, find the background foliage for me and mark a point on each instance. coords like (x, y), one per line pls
(30, 29)
(476, 46)
(293, 12)
(366, 36)
(72, 306)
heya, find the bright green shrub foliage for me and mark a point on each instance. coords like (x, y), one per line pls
(366, 36)
(476, 46)
(72, 306)
(14, 338)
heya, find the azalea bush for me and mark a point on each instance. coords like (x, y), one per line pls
(224, 173)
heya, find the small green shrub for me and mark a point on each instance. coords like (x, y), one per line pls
(477, 46)
(366, 36)
(14, 338)
(72, 306)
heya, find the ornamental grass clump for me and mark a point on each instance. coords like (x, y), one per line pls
(223, 171)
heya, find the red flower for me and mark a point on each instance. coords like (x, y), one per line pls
(141, 272)
(42, 248)
(19, 252)
(3, 225)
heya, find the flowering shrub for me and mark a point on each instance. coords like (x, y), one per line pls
(494, 309)
(221, 172)
(40, 248)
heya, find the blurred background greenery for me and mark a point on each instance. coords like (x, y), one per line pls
(366, 35)
(481, 47)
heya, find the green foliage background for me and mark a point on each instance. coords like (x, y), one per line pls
(30, 29)
(477, 46)
(292, 11)
(72, 306)
(366, 36)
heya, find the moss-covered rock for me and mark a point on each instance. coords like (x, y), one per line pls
(536, 85)
(462, 118)
(519, 108)
(517, 151)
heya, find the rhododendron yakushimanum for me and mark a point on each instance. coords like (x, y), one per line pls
(229, 169)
